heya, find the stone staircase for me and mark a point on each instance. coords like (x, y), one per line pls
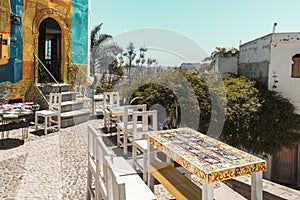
(72, 109)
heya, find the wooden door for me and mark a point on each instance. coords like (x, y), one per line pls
(285, 166)
(296, 66)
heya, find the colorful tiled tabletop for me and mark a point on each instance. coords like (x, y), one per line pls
(17, 111)
(209, 159)
(25, 105)
(117, 110)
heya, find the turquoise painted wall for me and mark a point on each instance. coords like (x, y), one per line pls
(80, 32)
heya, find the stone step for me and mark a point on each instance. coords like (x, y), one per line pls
(74, 117)
(48, 88)
(62, 87)
(71, 105)
(68, 96)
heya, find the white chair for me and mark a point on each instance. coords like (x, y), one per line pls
(109, 99)
(126, 125)
(97, 150)
(139, 144)
(125, 187)
(98, 101)
(52, 115)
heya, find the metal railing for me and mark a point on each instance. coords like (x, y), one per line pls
(44, 82)
(44, 75)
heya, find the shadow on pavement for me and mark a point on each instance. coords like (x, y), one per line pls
(9, 143)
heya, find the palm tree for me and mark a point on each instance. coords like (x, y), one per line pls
(97, 39)
(223, 52)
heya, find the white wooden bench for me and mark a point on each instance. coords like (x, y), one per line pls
(96, 170)
(174, 181)
(125, 187)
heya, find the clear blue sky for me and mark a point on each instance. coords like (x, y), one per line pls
(210, 24)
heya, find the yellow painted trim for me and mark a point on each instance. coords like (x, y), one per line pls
(5, 50)
(5, 30)
(34, 14)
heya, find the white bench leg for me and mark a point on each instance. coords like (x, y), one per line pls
(207, 191)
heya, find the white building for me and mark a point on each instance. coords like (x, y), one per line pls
(226, 65)
(275, 60)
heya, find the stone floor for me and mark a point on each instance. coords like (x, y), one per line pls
(54, 166)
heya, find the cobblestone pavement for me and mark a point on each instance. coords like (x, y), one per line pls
(11, 172)
(51, 166)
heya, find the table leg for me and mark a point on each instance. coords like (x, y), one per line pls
(150, 156)
(256, 186)
(25, 129)
(207, 191)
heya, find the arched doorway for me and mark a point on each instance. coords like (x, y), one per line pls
(49, 50)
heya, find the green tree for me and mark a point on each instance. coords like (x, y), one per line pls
(163, 89)
(275, 125)
(243, 104)
(256, 119)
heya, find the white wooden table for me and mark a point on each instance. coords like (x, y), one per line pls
(209, 159)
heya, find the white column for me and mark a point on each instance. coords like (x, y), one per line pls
(256, 186)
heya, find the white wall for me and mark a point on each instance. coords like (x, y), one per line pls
(281, 63)
(256, 51)
(227, 64)
(286, 37)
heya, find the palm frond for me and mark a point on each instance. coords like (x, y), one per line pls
(97, 38)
